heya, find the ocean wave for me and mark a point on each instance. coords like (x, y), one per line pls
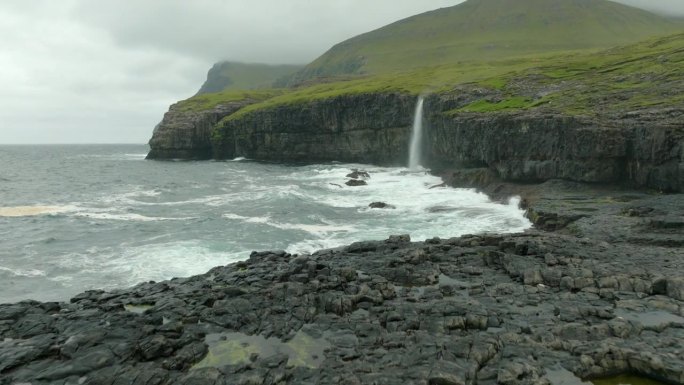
(257, 219)
(131, 265)
(136, 156)
(316, 229)
(232, 207)
(127, 217)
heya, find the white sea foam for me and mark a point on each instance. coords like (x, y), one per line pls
(420, 207)
(314, 229)
(234, 216)
(318, 229)
(136, 156)
(309, 246)
(133, 265)
(126, 217)
(27, 211)
(30, 273)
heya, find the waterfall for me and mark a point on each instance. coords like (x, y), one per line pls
(416, 136)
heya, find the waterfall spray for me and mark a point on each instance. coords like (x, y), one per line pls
(416, 136)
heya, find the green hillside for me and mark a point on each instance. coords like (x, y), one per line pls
(227, 76)
(627, 78)
(486, 30)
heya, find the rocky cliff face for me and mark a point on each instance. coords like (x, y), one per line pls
(184, 134)
(532, 147)
(644, 149)
(371, 128)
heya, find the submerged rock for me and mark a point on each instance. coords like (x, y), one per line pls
(381, 205)
(357, 174)
(356, 182)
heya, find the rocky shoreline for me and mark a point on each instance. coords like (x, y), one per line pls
(596, 289)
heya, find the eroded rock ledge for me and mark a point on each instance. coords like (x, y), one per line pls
(487, 309)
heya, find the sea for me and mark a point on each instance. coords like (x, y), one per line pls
(82, 217)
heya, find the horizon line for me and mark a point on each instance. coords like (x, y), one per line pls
(73, 144)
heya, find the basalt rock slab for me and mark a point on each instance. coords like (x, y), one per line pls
(485, 309)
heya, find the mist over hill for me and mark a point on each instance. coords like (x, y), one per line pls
(244, 76)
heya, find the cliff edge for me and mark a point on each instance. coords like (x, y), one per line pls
(611, 117)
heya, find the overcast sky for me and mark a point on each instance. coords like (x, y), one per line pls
(105, 71)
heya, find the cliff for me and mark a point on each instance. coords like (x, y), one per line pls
(534, 147)
(367, 128)
(375, 128)
(612, 117)
(523, 146)
(186, 129)
(186, 134)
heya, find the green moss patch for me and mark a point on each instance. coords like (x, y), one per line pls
(209, 101)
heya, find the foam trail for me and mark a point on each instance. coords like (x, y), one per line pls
(27, 211)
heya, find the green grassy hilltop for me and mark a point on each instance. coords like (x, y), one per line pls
(230, 76)
(486, 30)
(629, 77)
(573, 57)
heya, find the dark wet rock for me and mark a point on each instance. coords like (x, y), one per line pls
(90, 361)
(381, 205)
(358, 174)
(399, 238)
(441, 209)
(19, 352)
(364, 128)
(438, 186)
(186, 134)
(356, 182)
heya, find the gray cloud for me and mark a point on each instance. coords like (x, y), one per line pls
(106, 70)
(673, 8)
(267, 31)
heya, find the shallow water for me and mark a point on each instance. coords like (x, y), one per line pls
(651, 319)
(627, 380)
(558, 375)
(239, 348)
(74, 218)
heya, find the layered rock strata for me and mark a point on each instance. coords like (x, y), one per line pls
(644, 149)
(186, 134)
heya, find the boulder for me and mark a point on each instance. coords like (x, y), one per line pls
(356, 182)
(381, 205)
(358, 174)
